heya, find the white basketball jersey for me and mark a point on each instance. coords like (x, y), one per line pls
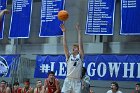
(74, 67)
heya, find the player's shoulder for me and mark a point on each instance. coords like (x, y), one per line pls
(31, 89)
(119, 92)
(43, 87)
(46, 79)
(22, 89)
(35, 89)
(56, 79)
(109, 91)
(8, 89)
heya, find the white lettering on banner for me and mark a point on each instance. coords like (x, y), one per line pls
(83, 64)
(89, 68)
(126, 70)
(62, 71)
(103, 69)
(114, 67)
(98, 69)
(44, 68)
(138, 76)
(52, 67)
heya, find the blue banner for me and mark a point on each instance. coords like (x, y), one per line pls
(6, 62)
(100, 17)
(3, 4)
(50, 25)
(20, 19)
(130, 13)
(44, 64)
(99, 67)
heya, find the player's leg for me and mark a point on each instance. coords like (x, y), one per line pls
(76, 86)
(66, 86)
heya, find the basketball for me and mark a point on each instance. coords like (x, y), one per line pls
(63, 15)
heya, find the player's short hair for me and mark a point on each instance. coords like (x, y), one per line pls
(84, 69)
(39, 80)
(3, 81)
(116, 84)
(76, 45)
(51, 72)
(27, 81)
(16, 83)
(138, 84)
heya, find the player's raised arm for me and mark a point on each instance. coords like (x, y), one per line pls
(80, 42)
(66, 51)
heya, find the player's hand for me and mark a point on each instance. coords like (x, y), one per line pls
(62, 26)
(6, 11)
(77, 27)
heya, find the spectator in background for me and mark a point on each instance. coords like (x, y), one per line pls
(114, 88)
(27, 88)
(16, 88)
(39, 87)
(4, 88)
(137, 88)
(51, 84)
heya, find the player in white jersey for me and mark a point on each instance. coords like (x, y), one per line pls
(72, 83)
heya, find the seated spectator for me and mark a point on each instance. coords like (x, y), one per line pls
(137, 88)
(114, 88)
(4, 88)
(51, 84)
(39, 87)
(16, 88)
(27, 88)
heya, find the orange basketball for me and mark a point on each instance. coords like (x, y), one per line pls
(63, 15)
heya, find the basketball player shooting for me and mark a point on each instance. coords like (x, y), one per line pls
(72, 83)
